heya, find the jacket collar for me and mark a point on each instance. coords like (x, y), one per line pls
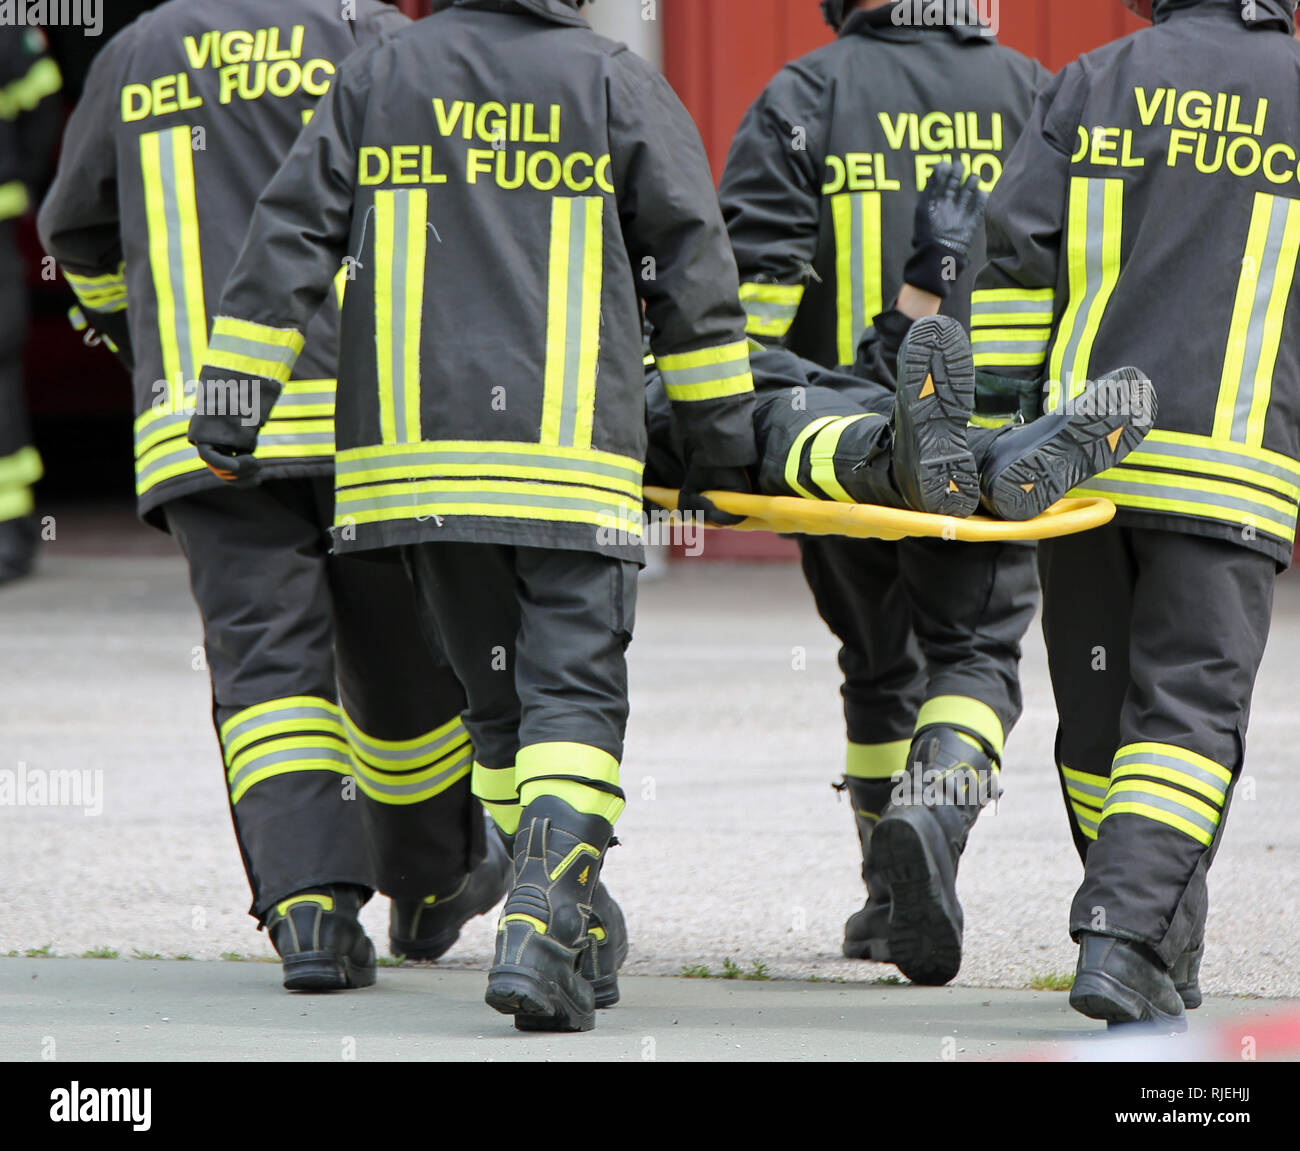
(556, 11)
(1270, 15)
(909, 20)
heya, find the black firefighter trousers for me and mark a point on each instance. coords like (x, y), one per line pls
(346, 759)
(1154, 639)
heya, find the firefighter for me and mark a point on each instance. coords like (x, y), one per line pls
(875, 434)
(1151, 213)
(346, 761)
(505, 183)
(819, 195)
(29, 126)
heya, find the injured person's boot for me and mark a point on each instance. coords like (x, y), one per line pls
(1025, 469)
(917, 845)
(933, 468)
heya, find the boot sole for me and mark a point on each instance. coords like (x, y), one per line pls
(436, 946)
(939, 420)
(1078, 453)
(924, 930)
(322, 971)
(876, 950)
(537, 1004)
(1101, 996)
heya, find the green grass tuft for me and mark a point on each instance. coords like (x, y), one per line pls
(100, 953)
(46, 952)
(1054, 981)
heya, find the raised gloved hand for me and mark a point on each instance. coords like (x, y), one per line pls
(948, 217)
(701, 479)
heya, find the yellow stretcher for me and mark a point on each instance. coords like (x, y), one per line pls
(792, 516)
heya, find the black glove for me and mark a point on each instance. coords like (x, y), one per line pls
(948, 216)
(237, 468)
(700, 479)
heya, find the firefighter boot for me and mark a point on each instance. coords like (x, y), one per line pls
(543, 930)
(1123, 983)
(321, 943)
(428, 928)
(866, 934)
(1024, 470)
(604, 957)
(933, 468)
(918, 843)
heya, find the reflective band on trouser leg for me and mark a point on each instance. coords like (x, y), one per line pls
(496, 791)
(859, 294)
(584, 777)
(14, 200)
(1169, 785)
(401, 250)
(1010, 327)
(281, 736)
(1267, 274)
(405, 771)
(966, 715)
(17, 473)
(821, 457)
(877, 760)
(1095, 227)
(175, 257)
(770, 309)
(1087, 794)
(575, 281)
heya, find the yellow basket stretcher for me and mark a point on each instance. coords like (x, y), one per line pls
(792, 516)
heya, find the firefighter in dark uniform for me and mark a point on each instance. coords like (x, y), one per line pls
(507, 183)
(862, 435)
(1151, 214)
(819, 196)
(347, 763)
(29, 129)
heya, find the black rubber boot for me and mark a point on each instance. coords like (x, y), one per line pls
(1025, 470)
(918, 843)
(19, 539)
(1123, 983)
(866, 934)
(933, 467)
(1186, 974)
(603, 959)
(543, 931)
(321, 943)
(426, 929)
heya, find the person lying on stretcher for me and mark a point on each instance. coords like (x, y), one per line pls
(865, 434)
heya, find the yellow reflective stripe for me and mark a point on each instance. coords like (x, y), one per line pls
(43, 79)
(575, 278)
(359, 464)
(1255, 334)
(770, 309)
(983, 297)
(1095, 225)
(877, 760)
(794, 457)
(1170, 775)
(708, 373)
(401, 255)
(284, 756)
(857, 219)
(1089, 788)
(321, 900)
(1164, 805)
(721, 354)
(1012, 307)
(310, 707)
(561, 758)
(16, 502)
(1194, 496)
(1190, 758)
(962, 712)
(731, 386)
(519, 917)
(1201, 454)
(582, 849)
(341, 285)
(495, 784)
(821, 456)
(14, 199)
(20, 469)
(172, 216)
(442, 739)
(400, 789)
(105, 293)
(233, 328)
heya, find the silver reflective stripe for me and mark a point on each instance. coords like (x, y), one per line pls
(301, 399)
(573, 320)
(436, 457)
(415, 499)
(1173, 807)
(397, 335)
(708, 373)
(1108, 486)
(422, 755)
(1011, 307)
(1097, 792)
(1095, 253)
(176, 251)
(1265, 279)
(253, 349)
(1083, 818)
(184, 450)
(763, 310)
(293, 755)
(282, 715)
(1138, 759)
(428, 785)
(303, 439)
(1154, 445)
(1029, 345)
